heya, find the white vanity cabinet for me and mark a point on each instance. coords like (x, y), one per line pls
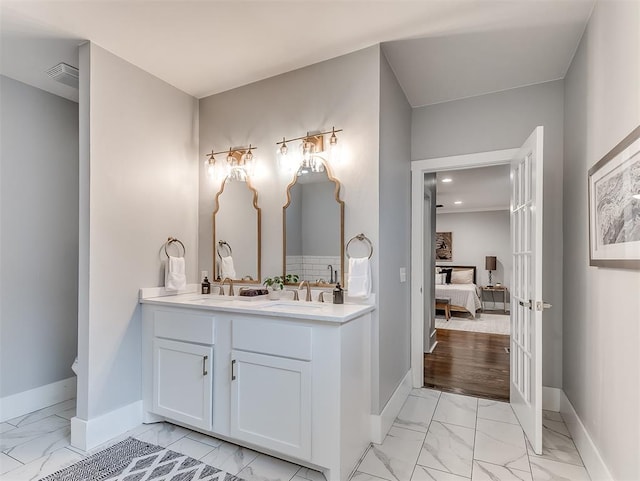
(271, 385)
(179, 344)
(182, 382)
(291, 384)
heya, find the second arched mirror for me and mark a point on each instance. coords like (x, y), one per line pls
(236, 232)
(313, 228)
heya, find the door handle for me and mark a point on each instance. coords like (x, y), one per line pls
(204, 365)
(233, 365)
(541, 305)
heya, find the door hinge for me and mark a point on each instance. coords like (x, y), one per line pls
(541, 305)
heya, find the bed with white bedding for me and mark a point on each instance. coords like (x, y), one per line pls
(463, 295)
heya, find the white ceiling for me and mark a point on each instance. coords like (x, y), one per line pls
(479, 189)
(459, 48)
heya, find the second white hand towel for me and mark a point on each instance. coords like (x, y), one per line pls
(174, 274)
(359, 277)
(226, 268)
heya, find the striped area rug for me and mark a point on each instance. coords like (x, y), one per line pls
(134, 460)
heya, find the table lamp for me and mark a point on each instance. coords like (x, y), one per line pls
(490, 265)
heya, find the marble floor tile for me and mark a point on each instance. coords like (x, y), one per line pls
(360, 476)
(190, 447)
(502, 444)
(229, 457)
(422, 473)
(483, 471)
(267, 468)
(496, 411)
(42, 413)
(456, 409)
(67, 413)
(4, 427)
(557, 446)
(547, 470)
(426, 393)
(7, 463)
(396, 457)
(416, 413)
(44, 466)
(41, 445)
(203, 438)
(551, 415)
(448, 448)
(163, 434)
(310, 474)
(29, 432)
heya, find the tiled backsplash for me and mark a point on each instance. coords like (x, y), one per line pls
(313, 268)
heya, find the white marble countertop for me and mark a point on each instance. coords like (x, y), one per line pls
(314, 311)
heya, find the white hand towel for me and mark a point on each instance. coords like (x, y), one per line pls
(359, 277)
(226, 268)
(174, 274)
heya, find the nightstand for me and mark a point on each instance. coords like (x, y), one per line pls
(493, 290)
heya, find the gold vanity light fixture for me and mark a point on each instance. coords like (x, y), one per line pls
(311, 154)
(239, 164)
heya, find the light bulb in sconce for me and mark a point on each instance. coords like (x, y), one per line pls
(210, 165)
(249, 162)
(334, 147)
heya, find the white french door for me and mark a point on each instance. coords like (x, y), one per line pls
(526, 288)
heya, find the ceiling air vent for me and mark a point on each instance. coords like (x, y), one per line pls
(65, 74)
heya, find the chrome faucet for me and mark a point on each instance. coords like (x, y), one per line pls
(231, 293)
(308, 296)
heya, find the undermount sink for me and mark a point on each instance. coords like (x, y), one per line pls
(294, 305)
(210, 299)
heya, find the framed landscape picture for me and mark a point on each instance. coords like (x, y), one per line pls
(614, 206)
(444, 251)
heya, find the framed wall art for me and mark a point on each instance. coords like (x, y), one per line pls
(614, 206)
(444, 250)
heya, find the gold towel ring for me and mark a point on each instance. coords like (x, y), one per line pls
(170, 241)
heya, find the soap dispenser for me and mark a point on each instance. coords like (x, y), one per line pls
(338, 295)
(206, 286)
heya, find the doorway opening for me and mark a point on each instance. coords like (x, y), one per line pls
(472, 244)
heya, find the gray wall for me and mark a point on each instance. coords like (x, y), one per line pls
(601, 306)
(343, 92)
(395, 232)
(504, 120)
(139, 166)
(480, 234)
(39, 237)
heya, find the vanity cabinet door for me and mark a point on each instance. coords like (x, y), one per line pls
(271, 402)
(182, 382)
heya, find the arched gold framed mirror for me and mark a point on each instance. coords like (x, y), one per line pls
(237, 225)
(313, 228)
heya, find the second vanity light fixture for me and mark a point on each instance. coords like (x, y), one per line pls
(311, 153)
(238, 165)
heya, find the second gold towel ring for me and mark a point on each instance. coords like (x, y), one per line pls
(361, 238)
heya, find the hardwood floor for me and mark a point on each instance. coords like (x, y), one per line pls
(471, 363)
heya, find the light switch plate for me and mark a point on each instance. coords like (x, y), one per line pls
(403, 274)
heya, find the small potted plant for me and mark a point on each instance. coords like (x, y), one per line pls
(276, 283)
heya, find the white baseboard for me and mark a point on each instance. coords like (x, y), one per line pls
(86, 435)
(41, 397)
(594, 463)
(381, 423)
(551, 398)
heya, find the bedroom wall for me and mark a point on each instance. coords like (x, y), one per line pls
(504, 120)
(476, 235)
(602, 305)
(39, 239)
